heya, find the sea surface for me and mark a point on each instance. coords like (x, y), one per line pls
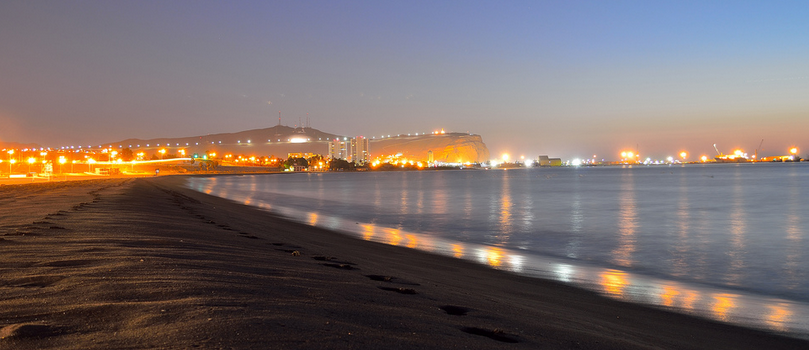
(728, 242)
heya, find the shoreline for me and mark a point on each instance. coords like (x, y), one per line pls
(149, 263)
(744, 307)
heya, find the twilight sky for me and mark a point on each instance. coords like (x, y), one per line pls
(563, 78)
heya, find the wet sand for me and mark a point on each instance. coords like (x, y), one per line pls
(146, 263)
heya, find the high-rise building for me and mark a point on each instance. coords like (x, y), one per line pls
(359, 150)
(352, 150)
(340, 149)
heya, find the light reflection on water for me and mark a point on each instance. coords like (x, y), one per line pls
(681, 230)
(622, 255)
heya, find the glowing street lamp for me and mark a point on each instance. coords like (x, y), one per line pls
(62, 161)
(162, 153)
(10, 161)
(31, 160)
(683, 155)
(794, 150)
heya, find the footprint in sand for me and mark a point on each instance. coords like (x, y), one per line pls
(391, 279)
(380, 278)
(455, 310)
(27, 330)
(399, 290)
(496, 334)
(341, 266)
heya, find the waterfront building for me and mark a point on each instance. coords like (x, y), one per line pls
(339, 149)
(359, 150)
(547, 161)
(352, 150)
(304, 155)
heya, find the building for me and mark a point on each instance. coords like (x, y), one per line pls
(340, 149)
(359, 150)
(352, 150)
(547, 161)
(304, 155)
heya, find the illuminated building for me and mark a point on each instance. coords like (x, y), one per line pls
(546, 161)
(353, 150)
(339, 149)
(359, 150)
(304, 155)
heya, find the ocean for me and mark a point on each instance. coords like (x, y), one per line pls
(728, 242)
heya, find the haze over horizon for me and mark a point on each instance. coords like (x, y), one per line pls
(568, 79)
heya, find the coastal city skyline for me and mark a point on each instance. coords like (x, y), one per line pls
(416, 174)
(571, 80)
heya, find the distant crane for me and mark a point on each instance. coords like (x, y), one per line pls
(717, 150)
(759, 148)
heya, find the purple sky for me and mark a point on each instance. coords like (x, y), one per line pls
(564, 78)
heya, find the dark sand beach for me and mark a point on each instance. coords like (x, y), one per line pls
(146, 263)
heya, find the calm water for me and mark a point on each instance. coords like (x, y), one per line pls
(728, 242)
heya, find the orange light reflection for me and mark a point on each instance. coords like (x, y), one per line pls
(779, 317)
(494, 256)
(668, 296)
(368, 232)
(412, 241)
(724, 302)
(393, 237)
(614, 282)
(457, 250)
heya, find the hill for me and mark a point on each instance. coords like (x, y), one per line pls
(281, 140)
(449, 147)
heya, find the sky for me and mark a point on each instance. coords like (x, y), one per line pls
(560, 78)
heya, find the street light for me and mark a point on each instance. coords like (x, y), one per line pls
(10, 161)
(162, 153)
(31, 160)
(62, 161)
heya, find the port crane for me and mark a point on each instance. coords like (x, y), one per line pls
(717, 150)
(759, 148)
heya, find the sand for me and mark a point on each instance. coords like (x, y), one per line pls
(146, 263)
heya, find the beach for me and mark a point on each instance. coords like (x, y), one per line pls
(147, 263)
